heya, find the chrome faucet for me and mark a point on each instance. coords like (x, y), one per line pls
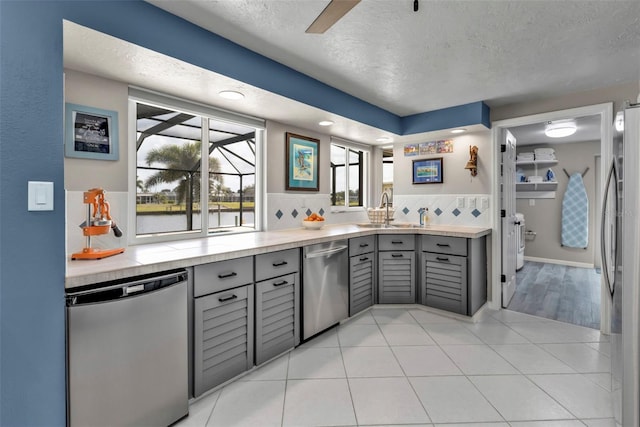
(384, 202)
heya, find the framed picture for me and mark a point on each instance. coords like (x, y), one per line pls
(428, 171)
(91, 133)
(302, 160)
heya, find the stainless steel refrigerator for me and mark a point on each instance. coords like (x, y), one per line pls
(621, 266)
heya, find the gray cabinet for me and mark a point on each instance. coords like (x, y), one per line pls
(454, 273)
(277, 303)
(396, 269)
(361, 273)
(223, 337)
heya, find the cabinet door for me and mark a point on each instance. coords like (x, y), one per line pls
(277, 316)
(223, 337)
(396, 277)
(361, 280)
(445, 282)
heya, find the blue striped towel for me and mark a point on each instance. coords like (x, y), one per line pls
(575, 214)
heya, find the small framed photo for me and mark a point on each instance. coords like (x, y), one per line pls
(428, 171)
(91, 133)
(302, 160)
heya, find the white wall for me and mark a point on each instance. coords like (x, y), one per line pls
(285, 209)
(617, 94)
(92, 91)
(545, 218)
(442, 199)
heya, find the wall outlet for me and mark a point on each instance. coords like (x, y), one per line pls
(532, 202)
(484, 202)
(472, 202)
(460, 202)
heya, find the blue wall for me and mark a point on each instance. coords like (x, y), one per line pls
(32, 260)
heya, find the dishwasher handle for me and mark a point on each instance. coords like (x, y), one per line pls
(326, 252)
(125, 288)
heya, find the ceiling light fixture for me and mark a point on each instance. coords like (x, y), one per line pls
(231, 94)
(325, 123)
(458, 130)
(560, 128)
(619, 121)
(384, 139)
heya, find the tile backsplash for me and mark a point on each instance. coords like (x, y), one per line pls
(285, 210)
(444, 209)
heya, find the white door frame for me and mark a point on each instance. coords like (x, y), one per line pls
(605, 111)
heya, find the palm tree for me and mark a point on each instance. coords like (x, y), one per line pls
(182, 164)
(140, 185)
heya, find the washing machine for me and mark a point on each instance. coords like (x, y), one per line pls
(519, 240)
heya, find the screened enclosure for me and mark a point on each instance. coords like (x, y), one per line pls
(193, 173)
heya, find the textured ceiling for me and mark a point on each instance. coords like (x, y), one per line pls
(446, 54)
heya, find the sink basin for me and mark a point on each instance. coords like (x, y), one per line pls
(399, 225)
(372, 225)
(408, 225)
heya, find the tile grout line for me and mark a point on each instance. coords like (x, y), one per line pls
(286, 384)
(346, 375)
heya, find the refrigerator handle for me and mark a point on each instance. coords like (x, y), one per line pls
(613, 173)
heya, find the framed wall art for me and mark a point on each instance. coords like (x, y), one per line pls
(91, 133)
(428, 171)
(302, 160)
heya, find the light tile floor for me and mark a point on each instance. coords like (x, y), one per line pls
(408, 366)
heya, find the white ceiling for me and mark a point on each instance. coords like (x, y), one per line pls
(588, 129)
(446, 54)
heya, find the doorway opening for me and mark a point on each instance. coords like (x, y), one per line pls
(553, 279)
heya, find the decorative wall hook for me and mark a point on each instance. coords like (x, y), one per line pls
(472, 164)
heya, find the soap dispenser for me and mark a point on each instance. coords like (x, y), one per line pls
(424, 216)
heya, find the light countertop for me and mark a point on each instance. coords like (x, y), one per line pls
(156, 257)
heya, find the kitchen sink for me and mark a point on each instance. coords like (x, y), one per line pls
(399, 225)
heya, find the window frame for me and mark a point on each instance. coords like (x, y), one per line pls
(205, 113)
(364, 175)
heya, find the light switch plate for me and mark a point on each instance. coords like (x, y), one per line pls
(472, 202)
(460, 202)
(532, 202)
(40, 196)
(484, 202)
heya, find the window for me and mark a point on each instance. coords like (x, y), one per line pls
(174, 145)
(349, 171)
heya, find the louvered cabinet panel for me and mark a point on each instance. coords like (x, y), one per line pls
(223, 337)
(361, 280)
(396, 277)
(277, 316)
(445, 282)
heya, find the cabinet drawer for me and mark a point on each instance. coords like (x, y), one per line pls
(445, 245)
(222, 275)
(274, 264)
(361, 245)
(223, 337)
(396, 242)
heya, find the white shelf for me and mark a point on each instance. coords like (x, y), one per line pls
(536, 186)
(536, 162)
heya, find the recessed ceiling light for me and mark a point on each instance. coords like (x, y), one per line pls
(231, 94)
(325, 123)
(384, 139)
(560, 128)
(458, 130)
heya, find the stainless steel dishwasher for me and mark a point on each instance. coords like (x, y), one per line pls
(127, 352)
(325, 286)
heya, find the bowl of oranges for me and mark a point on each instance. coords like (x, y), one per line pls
(313, 222)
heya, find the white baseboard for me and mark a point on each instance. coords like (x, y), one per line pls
(559, 261)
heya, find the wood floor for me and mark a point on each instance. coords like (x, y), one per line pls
(567, 294)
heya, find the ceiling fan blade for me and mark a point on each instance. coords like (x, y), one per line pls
(331, 14)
